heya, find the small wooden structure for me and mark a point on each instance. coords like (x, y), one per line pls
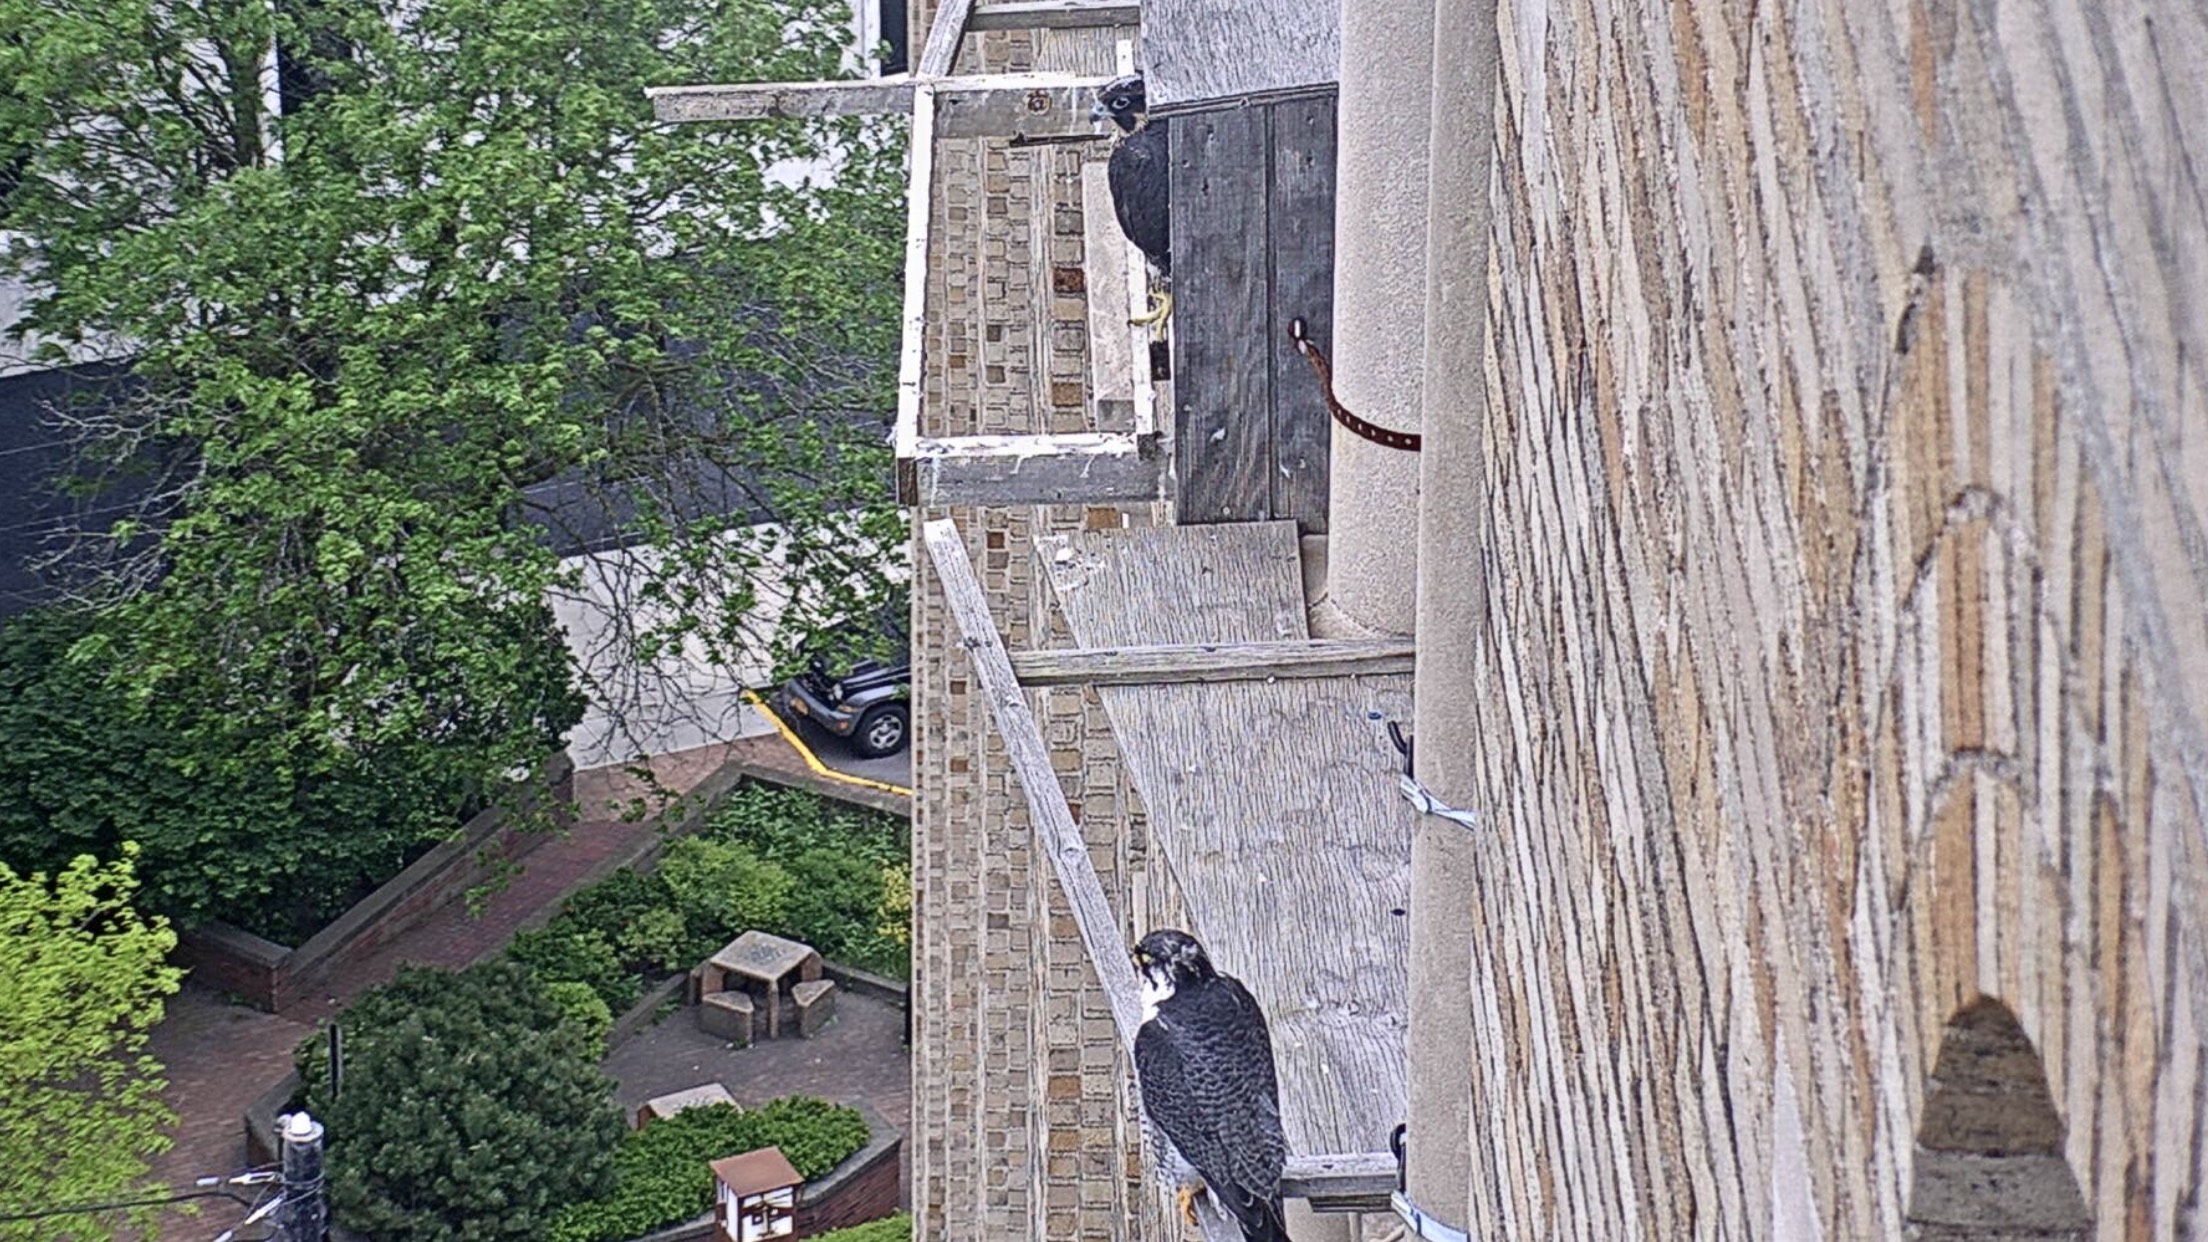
(764, 967)
(755, 1196)
(661, 1107)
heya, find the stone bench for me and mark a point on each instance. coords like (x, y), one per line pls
(729, 1015)
(816, 1003)
(660, 1107)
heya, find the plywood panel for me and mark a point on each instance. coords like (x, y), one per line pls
(1300, 216)
(1274, 804)
(1222, 380)
(1196, 52)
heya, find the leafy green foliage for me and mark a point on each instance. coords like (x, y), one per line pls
(81, 982)
(662, 1176)
(583, 1007)
(471, 1110)
(462, 259)
(720, 887)
(562, 953)
(845, 899)
(778, 860)
(273, 834)
(780, 824)
(896, 1228)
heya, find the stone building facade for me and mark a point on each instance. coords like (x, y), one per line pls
(1019, 1088)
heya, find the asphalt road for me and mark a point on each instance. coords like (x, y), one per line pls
(836, 753)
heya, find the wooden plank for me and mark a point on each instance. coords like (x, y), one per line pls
(1054, 15)
(1105, 277)
(755, 101)
(1201, 51)
(1300, 212)
(1071, 468)
(1273, 803)
(1183, 564)
(1055, 830)
(1191, 662)
(919, 192)
(1021, 106)
(1222, 379)
(1032, 105)
(1358, 1182)
(944, 37)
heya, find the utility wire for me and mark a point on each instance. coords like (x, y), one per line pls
(79, 1209)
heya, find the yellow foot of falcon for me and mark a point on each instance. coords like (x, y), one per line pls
(1186, 1197)
(1161, 305)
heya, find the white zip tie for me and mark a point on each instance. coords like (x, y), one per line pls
(1427, 804)
(1422, 1225)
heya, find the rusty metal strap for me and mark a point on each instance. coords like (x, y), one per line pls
(1300, 333)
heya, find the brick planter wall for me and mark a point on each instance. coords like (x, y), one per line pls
(269, 976)
(862, 1188)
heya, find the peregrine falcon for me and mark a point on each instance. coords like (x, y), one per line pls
(1204, 1062)
(1137, 174)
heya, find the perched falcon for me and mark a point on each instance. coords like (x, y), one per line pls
(1137, 174)
(1204, 1061)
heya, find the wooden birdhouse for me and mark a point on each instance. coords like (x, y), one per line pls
(755, 1196)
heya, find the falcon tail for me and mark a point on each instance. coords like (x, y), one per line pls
(1265, 1225)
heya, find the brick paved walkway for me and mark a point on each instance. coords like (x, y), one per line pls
(220, 1057)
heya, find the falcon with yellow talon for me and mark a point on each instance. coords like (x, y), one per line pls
(1142, 191)
(1210, 1099)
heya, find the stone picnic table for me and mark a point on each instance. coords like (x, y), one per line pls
(765, 963)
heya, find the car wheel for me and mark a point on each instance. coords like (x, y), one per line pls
(882, 731)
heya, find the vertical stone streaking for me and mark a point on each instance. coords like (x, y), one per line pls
(1845, 655)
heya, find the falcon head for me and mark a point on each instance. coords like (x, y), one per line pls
(1169, 960)
(1122, 100)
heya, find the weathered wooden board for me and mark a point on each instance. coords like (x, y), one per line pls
(945, 35)
(1022, 106)
(1196, 52)
(1105, 281)
(1253, 249)
(1275, 804)
(1299, 219)
(1196, 662)
(1222, 375)
(1081, 467)
(1046, 803)
(1053, 15)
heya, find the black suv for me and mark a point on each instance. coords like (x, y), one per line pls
(869, 705)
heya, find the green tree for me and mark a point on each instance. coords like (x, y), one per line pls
(81, 982)
(451, 285)
(471, 1108)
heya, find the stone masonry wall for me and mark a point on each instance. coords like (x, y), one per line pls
(1019, 1102)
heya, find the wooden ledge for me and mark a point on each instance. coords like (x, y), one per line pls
(1136, 666)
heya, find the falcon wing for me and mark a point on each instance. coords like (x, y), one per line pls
(1205, 1067)
(1142, 192)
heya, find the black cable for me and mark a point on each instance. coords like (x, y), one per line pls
(83, 1208)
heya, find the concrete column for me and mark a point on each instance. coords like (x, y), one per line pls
(1452, 603)
(1379, 314)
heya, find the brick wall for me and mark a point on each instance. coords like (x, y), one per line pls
(270, 976)
(1020, 1113)
(855, 1195)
